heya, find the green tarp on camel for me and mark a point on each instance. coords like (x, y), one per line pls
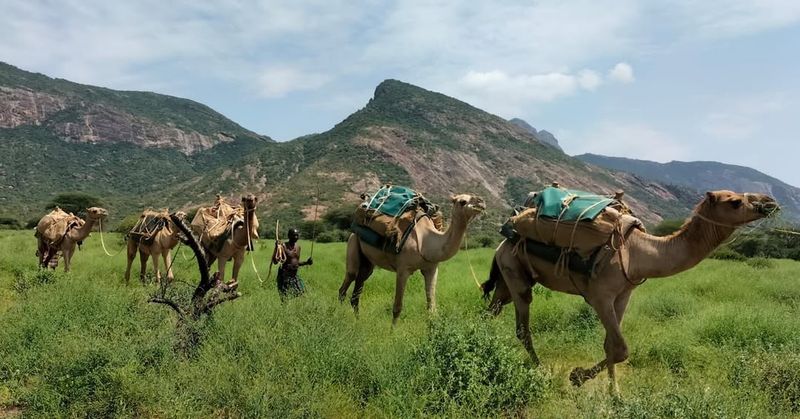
(568, 204)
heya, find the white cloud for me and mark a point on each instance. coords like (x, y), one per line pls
(622, 73)
(741, 118)
(589, 79)
(730, 18)
(279, 81)
(633, 140)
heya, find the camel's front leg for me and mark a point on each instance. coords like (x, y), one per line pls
(431, 275)
(156, 268)
(519, 284)
(352, 263)
(131, 256)
(614, 344)
(67, 258)
(168, 263)
(399, 291)
(238, 259)
(221, 262)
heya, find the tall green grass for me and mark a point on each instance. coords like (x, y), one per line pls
(718, 341)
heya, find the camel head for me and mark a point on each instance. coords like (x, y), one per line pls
(468, 205)
(736, 209)
(249, 202)
(96, 213)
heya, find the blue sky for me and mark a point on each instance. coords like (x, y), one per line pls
(680, 80)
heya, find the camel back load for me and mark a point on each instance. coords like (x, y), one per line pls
(385, 219)
(148, 226)
(574, 229)
(213, 224)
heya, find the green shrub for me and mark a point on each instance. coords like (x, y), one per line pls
(25, 280)
(464, 365)
(127, 223)
(776, 374)
(667, 227)
(726, 253)
(333, 236)
(74, 202)
(759, 263)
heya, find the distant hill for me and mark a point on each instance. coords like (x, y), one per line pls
(543, 136)
(706, 175)
(137, 149)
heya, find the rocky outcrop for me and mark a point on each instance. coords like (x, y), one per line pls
(543, 136)
(20, 107)
(101, 124)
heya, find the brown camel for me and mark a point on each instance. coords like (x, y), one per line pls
(74, 231)
(424, 249)
(159, 245)
(643, 256)
(233, 244)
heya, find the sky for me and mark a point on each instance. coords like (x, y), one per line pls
(679, 80)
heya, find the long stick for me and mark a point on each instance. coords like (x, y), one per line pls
(314, 225)
(272, 258)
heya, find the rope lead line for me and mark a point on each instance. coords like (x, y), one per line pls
(102, 242)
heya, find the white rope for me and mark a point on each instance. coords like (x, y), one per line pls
(469, 261)
(102, 242)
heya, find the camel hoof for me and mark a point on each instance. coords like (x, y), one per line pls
(578, 376)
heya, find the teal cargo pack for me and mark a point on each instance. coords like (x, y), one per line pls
(568, 204)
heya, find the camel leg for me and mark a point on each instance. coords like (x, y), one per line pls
(500, 298)
(431, 275)
(143, 262)
(238, 259)
(131, 252)
(399, 291)
(614, 344)
(156, 268)
(519, 284)
(168, 264)
(352, 260)
(221, 262)
(364, 271)
(67, 258)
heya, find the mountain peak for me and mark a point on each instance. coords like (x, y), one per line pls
(544, 137)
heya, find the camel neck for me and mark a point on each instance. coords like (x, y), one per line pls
(658, 257)
(437, 246)
(83, 231)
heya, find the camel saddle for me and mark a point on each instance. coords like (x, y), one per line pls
(570, 219)
(589, 264)
(148, 226)
(386, 219)
(54, 226)
(213, 224)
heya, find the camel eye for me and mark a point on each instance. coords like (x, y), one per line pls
(736, 203)
(463, 202)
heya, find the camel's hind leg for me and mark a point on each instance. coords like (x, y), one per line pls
(519, 285)
(143, 256)
(431, 276)
(352, 262)
(365, 269)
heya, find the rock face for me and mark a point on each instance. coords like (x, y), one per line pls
(19, 106)
(543, 136)
(86, 114)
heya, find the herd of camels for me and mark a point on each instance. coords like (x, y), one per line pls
(513, 273)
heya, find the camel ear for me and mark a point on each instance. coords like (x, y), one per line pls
(711, 197)
(453, 199)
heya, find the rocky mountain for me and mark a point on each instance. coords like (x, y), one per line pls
(137, 149)
(704, 176)
(543, 136)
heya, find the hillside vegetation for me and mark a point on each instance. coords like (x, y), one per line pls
(720, 340)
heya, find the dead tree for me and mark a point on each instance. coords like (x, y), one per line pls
(209, 292)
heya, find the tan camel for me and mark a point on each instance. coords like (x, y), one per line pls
(235, 243)
(159, 245)
(645, 256)
(424, 249)
(73, 234)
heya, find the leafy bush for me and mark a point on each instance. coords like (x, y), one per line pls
(127, 223)
(726, 253)
(9, 223)
(25, 280)
(333, 236)
(74, 202)
(777, 374)
(759, 263)
(667, 227)
(462, 364)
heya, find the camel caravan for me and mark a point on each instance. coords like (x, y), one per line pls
(569, 241)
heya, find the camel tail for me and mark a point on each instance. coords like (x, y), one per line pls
(489, 285)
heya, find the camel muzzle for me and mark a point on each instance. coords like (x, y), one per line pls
(764, 204)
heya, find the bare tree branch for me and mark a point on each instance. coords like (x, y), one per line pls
(174, 305)
(219, 300)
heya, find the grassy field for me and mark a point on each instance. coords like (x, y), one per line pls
(719, 341)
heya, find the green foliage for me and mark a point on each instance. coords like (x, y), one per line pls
(725, 252)
(768, 243)
(777, 374)
(128, 223)
(9, 223)
(74, 202)
(466, 365)
(759, 263)
(667, 227)
(341, 217)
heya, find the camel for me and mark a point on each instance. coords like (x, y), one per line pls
(643, 256)
(240, 238)
(424, 249)
(159, 245)
(73, 233)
